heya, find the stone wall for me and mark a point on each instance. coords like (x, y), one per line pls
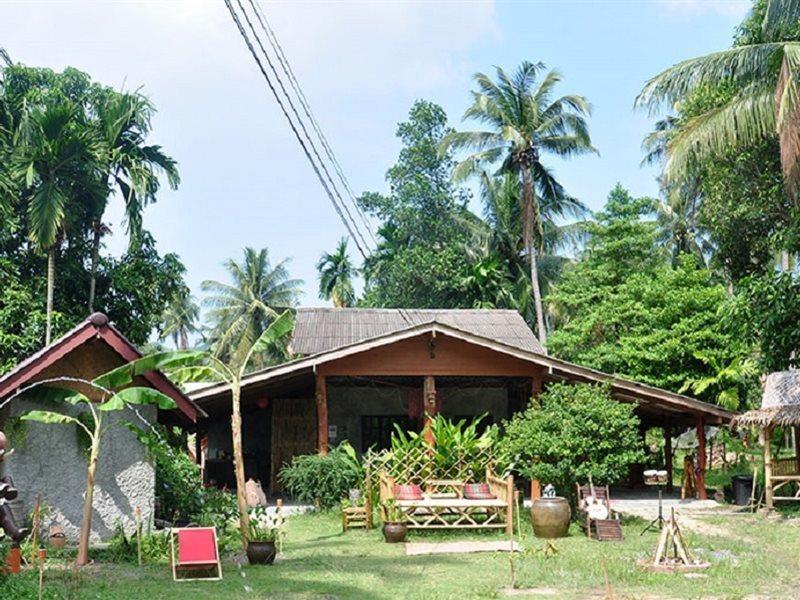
(50, 460)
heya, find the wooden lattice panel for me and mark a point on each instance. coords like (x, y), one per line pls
(294, 431)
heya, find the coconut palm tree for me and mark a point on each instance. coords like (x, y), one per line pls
(525, 122)
(129, 165)
(56, 160)
(241, 310)
(179, 320)
(336, 272)
(766, 101)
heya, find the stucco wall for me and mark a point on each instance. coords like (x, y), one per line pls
(51, 461)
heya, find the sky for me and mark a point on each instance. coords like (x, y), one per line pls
(245, 181)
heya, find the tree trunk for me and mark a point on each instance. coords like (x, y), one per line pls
(184, 340)
(86, 522)
(238, 460)
(93, 268)
(530, 215)
(51, 276)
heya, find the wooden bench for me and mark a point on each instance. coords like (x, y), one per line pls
(449, 509)
(785, 472)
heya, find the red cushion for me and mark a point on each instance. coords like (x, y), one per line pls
(478, 491)
(197, 546)
(408, 492)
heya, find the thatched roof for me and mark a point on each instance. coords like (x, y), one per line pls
(780, 402)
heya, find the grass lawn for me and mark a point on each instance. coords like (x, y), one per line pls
(750, 557)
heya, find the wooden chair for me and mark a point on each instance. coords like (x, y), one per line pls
(197, 552)
(607, 529)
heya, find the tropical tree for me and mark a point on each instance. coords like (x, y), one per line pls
(764, 68)
(128, 164)
(231, 372)
(56, 158)
(179, 320)
(241, 310)
(105, 394)
(336, 272)
(524, 123)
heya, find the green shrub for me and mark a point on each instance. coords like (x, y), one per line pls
(123, 548)
(571, 432)
(323, 480)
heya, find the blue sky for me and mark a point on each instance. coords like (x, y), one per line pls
(362, 65)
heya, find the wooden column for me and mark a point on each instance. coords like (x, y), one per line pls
(429, 407)
(322, 414)
(767, 432)
(668, 458)
(700, 475)
(796, 436)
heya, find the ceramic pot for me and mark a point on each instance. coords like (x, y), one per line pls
(58, 541)
(550, 517)
(394, 533)
(261, 553)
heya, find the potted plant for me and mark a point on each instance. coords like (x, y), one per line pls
(394, 527)
(264, 531)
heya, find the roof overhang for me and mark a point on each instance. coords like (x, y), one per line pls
(556, 368)
(96, 326)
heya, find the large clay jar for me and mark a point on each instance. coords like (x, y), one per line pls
(550, 517)
(260, 553)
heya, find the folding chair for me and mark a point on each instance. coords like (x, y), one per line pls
(197, 552)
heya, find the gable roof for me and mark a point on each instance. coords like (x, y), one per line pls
(97, 326)
(624, 388)
(324, 329)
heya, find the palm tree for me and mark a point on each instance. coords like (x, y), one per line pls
(56, 160)
(766, 101)
(129, 165)
(336, 272)
(179, 320)
(241, 310)
(525, 122)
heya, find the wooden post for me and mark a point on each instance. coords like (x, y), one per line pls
(700, 477)
(796, 436)
(429, 407)
(768, 468)
(668, 458)
(322, 414)
(536, 489)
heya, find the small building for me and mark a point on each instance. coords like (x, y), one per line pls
(360, 372)
(51, 459)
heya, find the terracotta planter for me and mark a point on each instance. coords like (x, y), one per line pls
(550, 517)
(58, 541)
(261, 553)
(394, 533)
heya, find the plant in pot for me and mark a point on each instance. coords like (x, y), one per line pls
(264, 533)
(394, 527)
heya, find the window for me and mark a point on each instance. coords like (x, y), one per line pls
(376, 431)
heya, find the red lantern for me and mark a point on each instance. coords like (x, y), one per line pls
(262, 403)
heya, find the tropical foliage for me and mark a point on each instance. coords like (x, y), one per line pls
(323, 479)
(336, 274)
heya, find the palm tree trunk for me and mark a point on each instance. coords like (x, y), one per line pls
(184, 337)
(93, 268)
(238, 460)
(51, 276)
(529, 217)
(86, 522)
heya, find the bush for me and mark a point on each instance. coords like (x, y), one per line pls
(571, 432)
(323, 480)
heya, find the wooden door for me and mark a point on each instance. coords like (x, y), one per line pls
(294, 432)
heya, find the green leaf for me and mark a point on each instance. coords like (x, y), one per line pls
(159, 361)
(276, 330)
(29, 176)
(139, 395)
(200, 373)
(46, 416)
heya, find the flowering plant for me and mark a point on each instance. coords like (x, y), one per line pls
(265, 526)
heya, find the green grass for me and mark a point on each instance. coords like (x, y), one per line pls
(753, 556)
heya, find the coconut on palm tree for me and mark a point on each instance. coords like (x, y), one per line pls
(766, 102)
(241, 310)
(336, 272)
(524, 122)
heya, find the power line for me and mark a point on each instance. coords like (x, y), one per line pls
(289, 72)
(352, 228)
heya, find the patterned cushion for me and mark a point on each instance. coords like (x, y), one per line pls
(478, 491)
(407, 492)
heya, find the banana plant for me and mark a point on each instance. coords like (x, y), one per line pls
(98, 403)
(186, 366)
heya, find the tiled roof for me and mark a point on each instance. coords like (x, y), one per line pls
(323, 329)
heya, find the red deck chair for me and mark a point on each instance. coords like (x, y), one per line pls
(197, 552)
